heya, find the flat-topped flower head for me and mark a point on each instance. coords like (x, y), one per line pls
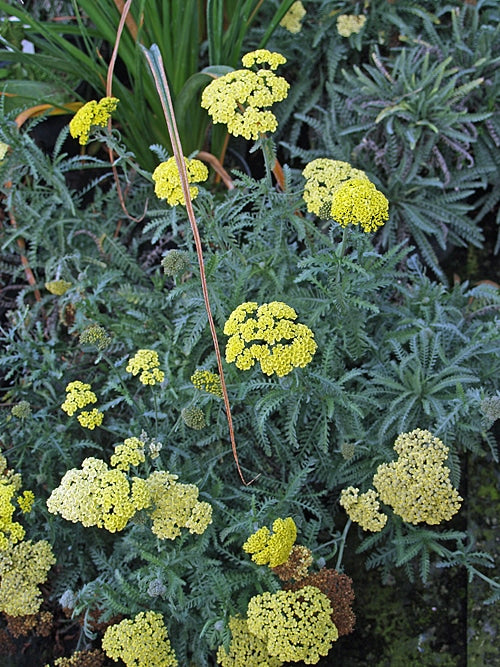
(245, 649)
(140, 642)
(363, 508)
(79, 394)
(207, 381)
(92, 114)
(147, 364)
(417, 485)
(268, 334)
(273, 549)
(129, 453)
(350, 24)
(296, 625)
(168, 183)
(241, 99)
(292, 21)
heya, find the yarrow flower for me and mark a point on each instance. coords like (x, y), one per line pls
(140, 642)
(168, 182)
(92, 114)
(90, 418)
(336, 191)
(292, 21)
(296, 625)
(194, 417)
(176, 506)
(130, 453)
(22, 568)
(275, 548)
(245, 649)
(363, 508)
(57, 287)
(175, 262)
(241, 99)
(296, 565)
(21, 410)
(80, 394)
(350, 24)
(3, 150)
(146, 362)
(259, 338)
(417, 485)
(11, 531)
(95, 335)
(207, 381)
(25, 501)
(96, 495)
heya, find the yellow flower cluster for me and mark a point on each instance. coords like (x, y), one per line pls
(292, 21)
(350, 24)
(25, 501)
(79, 394)
(240, 99)
(245, 648)
(10, 531)
(417, 486)
(130, 453)
(91, 115)
(176, 506)
(295, 625)
(272, 549)
(146, 363)
(95, 335)
(168, 182)
(363, 509)
(22, 568)
(140, 642)
(258, 338)
(96, 495)
(335, 190)
(207, 381)
(57, 287)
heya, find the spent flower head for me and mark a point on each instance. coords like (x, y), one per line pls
(92, 114)
(194, 417)
(168, 183)
(175, 262)
(268, 334)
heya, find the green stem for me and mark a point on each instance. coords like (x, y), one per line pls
(342, 544)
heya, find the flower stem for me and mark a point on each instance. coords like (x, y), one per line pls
(343, 538)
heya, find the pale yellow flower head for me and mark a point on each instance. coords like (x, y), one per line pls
(92, 114)
(363, 509)
(350, 24)
(140, 642)
(241, 99)
(57, 287)
(168, 182)
(273, 549)
(295, 625)
(268, 334)
(417, 485)
(245, 648)
(3, 150)
(292, 21)
(129, 453)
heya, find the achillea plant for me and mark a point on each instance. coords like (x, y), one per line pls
(92, 114)
(273, 549)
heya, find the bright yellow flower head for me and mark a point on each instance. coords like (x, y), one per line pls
(25, 501)
(292, 21)
(79, 395)
(358, 202)
(363, 509)
(130, 453)
(271, 337)
(147, 363)
(350, 24)
(90, 115)
(168, 182)
(207, 381)
(140, 642)
(241, 99)
(296, 625)
(275, 548)
(417, 485)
